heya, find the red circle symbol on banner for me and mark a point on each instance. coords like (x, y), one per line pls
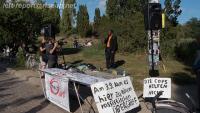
(54, 86)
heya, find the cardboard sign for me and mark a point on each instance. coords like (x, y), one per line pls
(154, 85)
(115, 96)
(57, 91)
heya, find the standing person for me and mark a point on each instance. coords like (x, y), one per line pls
(196, 68)
(110, 50)
(75, 43)
(51, 52)
(43, 56)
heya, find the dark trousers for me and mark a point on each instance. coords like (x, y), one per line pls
(110, 58)
(52, 61)
(52, 64)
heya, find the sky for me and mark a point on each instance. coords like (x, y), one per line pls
(190, 8)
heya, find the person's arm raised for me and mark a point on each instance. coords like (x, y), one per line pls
(42, 49)
(54, 48)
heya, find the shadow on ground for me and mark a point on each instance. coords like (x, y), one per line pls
(136, 110)
(76, 62)
(185, 82)
(69, 51)
(42, 105)
(8, 83)
(182, 78)
(189, 70)
(119, 63)
(85, 93)
(154, 73)
(20, 101)
(2, 69)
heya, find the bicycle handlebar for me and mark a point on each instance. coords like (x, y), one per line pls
(155, 98)
(158, 95)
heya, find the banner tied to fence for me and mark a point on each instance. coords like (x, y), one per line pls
(115, 96)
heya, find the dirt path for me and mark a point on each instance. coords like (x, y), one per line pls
(21, 92)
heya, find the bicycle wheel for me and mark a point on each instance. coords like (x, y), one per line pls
(32, 63)
(170, 106)
(27, 64)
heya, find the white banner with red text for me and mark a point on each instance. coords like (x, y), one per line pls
(57, 91)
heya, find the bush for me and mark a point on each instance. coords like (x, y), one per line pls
(168, 48)
(186, 50)
(20, 58)
(129, 31)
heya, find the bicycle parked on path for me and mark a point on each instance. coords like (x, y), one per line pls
(31, 62)
(168, 106)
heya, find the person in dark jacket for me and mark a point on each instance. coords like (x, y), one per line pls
(51, 52)
(110, 49)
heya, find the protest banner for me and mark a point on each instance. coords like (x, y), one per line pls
(81, 78)
(115, 96)
(154, 85)
(57, 91)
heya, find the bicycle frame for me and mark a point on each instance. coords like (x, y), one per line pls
(170, 105)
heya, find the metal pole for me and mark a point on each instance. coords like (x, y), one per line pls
(152, 53)
(77, 94)
(151, 43)
(150, 35)
(152, 66)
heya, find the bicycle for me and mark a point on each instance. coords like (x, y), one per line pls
(169, 106)
(31, 62)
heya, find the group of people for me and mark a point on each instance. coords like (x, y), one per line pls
(49, 56)
(48, 51)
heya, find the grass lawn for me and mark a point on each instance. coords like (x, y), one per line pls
(135, 65)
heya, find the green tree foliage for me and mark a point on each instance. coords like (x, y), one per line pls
(55, 14)
(19, 25)
(22, 25)
(2, 2)
(67, 20)
(112, 9)
(117, 9)
(192, 28)
(169, 35)
(20, 58)
(83, 20)
(97, 19)
(172, 10)
(125, 18)
(187, 44)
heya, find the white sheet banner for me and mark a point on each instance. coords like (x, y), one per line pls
(115, 96)
(57, 91)
(154, 85)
